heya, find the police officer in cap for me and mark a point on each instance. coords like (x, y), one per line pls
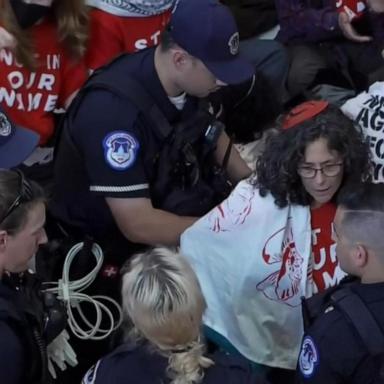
(344, 339)
(105, 166)
(16, 143)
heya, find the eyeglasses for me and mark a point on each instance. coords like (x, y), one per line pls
(25, 195)
(330, 170)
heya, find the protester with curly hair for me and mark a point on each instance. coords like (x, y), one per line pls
(163, 305)
(270, 242)
(284, 169)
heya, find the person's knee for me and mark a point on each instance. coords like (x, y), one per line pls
(278, 63)
(304, 65)
(269, 58)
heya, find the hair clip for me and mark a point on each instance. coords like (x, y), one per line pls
(303, 112)
(184, 349)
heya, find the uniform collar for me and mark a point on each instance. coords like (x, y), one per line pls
(6, 292)
(369, 292)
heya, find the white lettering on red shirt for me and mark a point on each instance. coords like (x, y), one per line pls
(323, 248)
(112, 35)
(29, 97)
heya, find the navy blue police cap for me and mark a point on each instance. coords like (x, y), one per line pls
(207, 30)
(16, 143)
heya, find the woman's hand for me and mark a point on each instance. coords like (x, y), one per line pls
(349, 31)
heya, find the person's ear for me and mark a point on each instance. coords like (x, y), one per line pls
(360, 255)
(3, 240)
(180, 59)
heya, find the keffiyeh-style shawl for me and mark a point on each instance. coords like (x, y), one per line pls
(253, 260)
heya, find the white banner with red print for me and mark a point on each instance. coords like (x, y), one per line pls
(251, 258)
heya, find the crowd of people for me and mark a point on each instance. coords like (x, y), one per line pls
(233, 183)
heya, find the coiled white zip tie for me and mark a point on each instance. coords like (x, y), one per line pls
(70, 293)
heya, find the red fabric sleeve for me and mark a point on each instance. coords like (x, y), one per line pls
(105, 41)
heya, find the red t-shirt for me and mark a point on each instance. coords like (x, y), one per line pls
(323, 247)
(30, 97)
(354, 8)
(112, 35)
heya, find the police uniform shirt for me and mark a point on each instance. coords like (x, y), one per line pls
(139, 365)
(12, 349)
(333, 353)
(117, 145)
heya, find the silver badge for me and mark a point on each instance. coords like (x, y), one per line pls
(5, 125)
(308, 358)
(233, 43)
(120, 149)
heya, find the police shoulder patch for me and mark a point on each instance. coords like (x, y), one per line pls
(90, 376)
(5, 125)
(120, 150)
(309, 357)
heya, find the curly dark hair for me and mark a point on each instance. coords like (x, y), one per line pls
(276, 168)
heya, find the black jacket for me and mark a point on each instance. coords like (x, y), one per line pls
(22, 349)
(333, 350)
(138, 365)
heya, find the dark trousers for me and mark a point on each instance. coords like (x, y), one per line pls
(344, 63)
(269, 58)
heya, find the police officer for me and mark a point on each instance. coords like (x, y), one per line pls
(344, 339)
(164, 305)
(105, 164)
(16, 143)
(22, 217)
